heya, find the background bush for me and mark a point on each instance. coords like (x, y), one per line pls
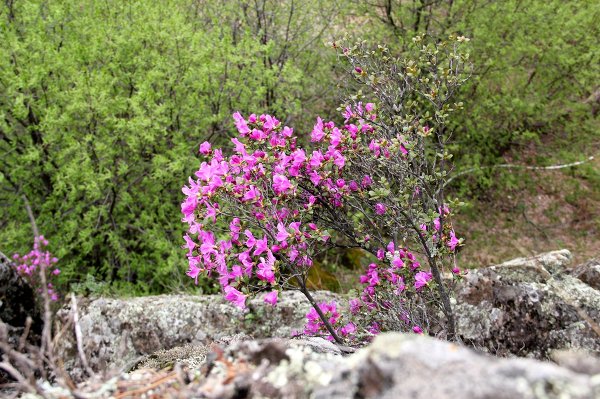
(103, 105)
(537, 65)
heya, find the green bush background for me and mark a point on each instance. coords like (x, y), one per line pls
(103, 105)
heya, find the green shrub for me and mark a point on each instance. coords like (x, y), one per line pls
(102, 104)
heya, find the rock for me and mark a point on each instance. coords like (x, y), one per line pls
(121, 332)
(394, 366)
(17, 303)
(17, 298)
(528, 307)
(403, 366)
(589, 273)
(577, 360)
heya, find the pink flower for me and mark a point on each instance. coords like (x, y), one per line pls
(189, 206)
(315, 178)
(348, 329)
(380, 209)
(271, 298)
(280, 184)
(193, 270)
(317, 133)
(251, 195)
(421, 279)
(355, 305)
(240, 124)
(417, 330)
(270, 123)
(374, 328)
(240, 148)
(282, 233)
(348, 113)
(265, 270)
(251, 240)
(397, 263)
(189, 244)
(453, 241)
(316, 159)
(205, 148)
(235, 229)
(295, 226)
(369, 107)
(261, 246)
(358, 70)
(298, 157)
(336, 137)
(236, 297)
(391, 247)
(338, 159)
(367, 181)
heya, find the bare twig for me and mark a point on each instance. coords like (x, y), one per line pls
(24, 384)
(512, 166)
(78, 336)
(23, 339)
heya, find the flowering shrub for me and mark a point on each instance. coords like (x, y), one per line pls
(30, 265)
(258, 214)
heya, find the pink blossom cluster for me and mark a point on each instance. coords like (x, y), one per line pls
(257, 214)
(28, 266)
(452, 241)
(315, 327)
(265, 192)
(397, 271)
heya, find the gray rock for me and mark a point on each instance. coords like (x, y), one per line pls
(17, 303)
(17, 298)
(589, 273)
(528, 307)
(410, 366)
(577, 360)
(119, 333)
(393, 366)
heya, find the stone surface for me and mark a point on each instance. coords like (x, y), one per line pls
(528, 307)
(589, 273)
(17, 298)
(119, 333)
(577, 360)
(17, 302)
(393, 366)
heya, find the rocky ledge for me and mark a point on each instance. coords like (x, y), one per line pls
(201, 347)
(530, 306)
(527, 307)
(394, 366)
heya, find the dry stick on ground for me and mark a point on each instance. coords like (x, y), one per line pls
(511, 166)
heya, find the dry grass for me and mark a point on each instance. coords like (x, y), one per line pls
(550, 210)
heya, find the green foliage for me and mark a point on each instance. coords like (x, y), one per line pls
(536, 72)
(102, 104)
